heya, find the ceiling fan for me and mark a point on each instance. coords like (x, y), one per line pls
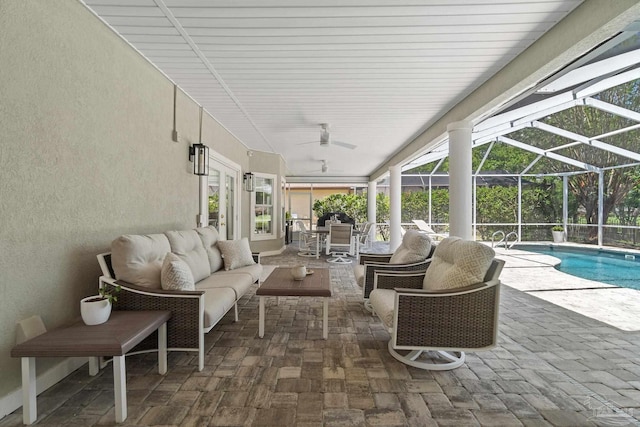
(326, 141)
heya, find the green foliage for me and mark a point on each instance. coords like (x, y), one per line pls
(557, 228)
(110, 293)
(354, 205)
(214, 202)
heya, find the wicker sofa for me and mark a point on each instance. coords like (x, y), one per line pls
(135, 263)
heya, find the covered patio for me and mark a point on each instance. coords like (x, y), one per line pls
(552, 367)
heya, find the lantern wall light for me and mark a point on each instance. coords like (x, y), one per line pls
(249, 182)
(199, 155)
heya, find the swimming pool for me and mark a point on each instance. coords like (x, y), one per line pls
(615, 268)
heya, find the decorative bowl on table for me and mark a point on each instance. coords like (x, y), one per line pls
(299, 272)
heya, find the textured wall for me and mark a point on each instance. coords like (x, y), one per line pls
(85, 155)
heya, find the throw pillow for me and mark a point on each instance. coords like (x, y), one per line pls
(457, 263)
(236, 253)
(415, 247)
(176, 274)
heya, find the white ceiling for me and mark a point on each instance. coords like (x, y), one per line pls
(379, 71)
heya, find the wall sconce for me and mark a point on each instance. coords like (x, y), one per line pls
(249, 182)
(199, 155)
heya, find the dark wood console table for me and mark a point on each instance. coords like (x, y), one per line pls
(123, 331)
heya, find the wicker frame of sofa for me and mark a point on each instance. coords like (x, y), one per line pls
(185, 329)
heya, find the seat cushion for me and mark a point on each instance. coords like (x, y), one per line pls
(176, 274)
(137, 259)
(236, 253)
(217, 301)
(415, 247)
(457, 263)
(358, 272)
(240, 282)
(209, 237)
(382, 301)
(188, 246)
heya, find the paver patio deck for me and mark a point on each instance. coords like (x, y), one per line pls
(553, 366)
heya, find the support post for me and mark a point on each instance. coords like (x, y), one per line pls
(395, 217)
(600, 205)
(460, 198)
(371, 209)
(565, 206)
(519, 207)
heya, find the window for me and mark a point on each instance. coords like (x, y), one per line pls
(263, 204)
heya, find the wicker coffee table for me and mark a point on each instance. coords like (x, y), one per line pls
(280, 283)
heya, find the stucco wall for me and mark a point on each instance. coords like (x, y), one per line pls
(85, 155)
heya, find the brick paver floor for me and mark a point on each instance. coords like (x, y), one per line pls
(552, 367)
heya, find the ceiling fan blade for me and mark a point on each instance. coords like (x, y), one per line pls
(305, 143)
(344, 144)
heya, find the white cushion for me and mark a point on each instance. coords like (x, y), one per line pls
(209, 237)
(176, 274)
(217, 301)
(236, 253)
(137, 259)
(457, 263)
(188, 246)
(382, 301)
(239, 282)
(358, 272)
(415, 247)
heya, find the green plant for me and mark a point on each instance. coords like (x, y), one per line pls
(557, 228)
(108, 293)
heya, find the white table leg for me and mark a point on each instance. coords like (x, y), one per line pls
(94, 365)
(317, 245)
(325, 319)
(162, 349)
(29, 407)
(120, 388)
(261, 318)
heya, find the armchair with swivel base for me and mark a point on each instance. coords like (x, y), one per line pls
(413, 254)
(450, 308)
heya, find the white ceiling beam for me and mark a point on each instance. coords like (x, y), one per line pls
(545, 153)
(607, 83)
(587, 141)
(613, 109)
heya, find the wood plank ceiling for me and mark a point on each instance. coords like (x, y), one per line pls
(379, 71)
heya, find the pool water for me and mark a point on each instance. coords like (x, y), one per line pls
(594, 264)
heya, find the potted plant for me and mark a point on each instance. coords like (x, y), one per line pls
(96, 309)
(558, 234)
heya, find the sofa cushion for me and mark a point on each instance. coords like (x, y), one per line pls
(358, 272)
(209, 237)
(382, 301)
(236, 253)
(176, 274)
(457, 263)
(188, 246)
(137, 259)
(415, 247)
(239, 282)
(217, 301)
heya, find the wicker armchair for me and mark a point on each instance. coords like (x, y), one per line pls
(445, 321)
(417, 248)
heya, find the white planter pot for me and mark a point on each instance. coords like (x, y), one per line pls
(95, 312)
(558, 236)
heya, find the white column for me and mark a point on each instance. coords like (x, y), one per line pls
(395, 208)
(371, 209)
(519, 207)
(565, 206)
(460, 195)
(600, 205)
